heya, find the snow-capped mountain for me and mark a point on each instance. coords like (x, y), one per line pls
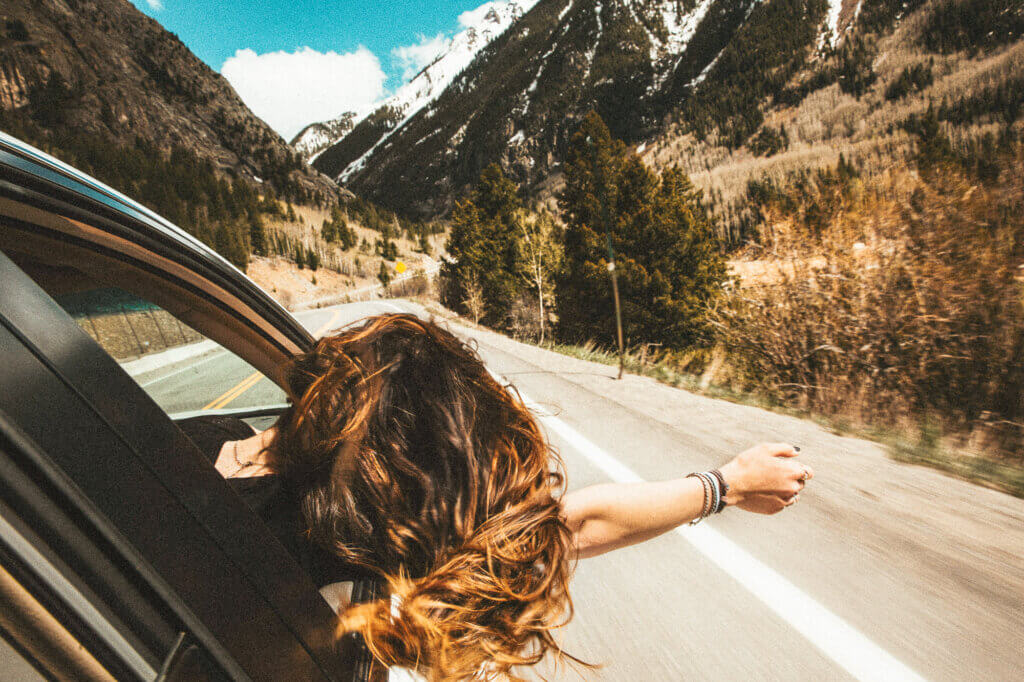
(641, 64)
(316, 137)
(480, 27)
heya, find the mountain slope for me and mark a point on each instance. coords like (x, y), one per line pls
(316, 137)
(103, 70)
(349, 150)
(634, 61)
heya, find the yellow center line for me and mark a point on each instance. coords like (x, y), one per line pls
(253, 379)
(334, 318)
(235, 391)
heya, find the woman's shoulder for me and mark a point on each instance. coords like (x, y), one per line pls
(210, 432)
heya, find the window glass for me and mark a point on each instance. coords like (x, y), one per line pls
(183, 371)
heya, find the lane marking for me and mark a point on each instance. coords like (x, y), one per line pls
(390, 305)
(845, 645)
(245, 384)
(322, 330)
(233, 392)
(183, 369)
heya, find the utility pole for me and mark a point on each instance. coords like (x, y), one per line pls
(603, 188)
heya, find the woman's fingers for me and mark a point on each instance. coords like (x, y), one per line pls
(783, 449)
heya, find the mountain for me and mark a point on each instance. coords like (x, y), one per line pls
(316, 137)
(101, 72)
(345, 152)
(631, 60)
(730, 89)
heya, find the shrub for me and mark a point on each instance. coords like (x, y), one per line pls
(925, 319)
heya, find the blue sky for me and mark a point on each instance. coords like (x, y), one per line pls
(359, 51)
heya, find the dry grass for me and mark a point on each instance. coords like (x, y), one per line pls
(924, 323)
(340, 271)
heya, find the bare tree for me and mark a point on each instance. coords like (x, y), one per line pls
(474, 300)
(541, 252)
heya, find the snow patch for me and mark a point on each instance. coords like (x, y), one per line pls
(830, 31)
(704, 74)
(565, 10)
(682, 27)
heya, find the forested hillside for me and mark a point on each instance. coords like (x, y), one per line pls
(732, 90)
(109, 91)
(638, 63)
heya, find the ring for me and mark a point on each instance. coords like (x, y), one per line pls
(803, 479)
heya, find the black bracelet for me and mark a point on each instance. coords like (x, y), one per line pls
(723, 489)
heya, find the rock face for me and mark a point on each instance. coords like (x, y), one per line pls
(316, 137)
(636, 62)
(104, 69)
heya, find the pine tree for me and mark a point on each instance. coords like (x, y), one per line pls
(383, 275)
(257, 235)
(484, 247)
(329, 231)
(668, 263)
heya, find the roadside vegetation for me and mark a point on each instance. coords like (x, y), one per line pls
(891, 306)
(239, 217)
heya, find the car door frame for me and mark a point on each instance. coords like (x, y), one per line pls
(132, 445)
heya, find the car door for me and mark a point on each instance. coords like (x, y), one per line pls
(100, 490)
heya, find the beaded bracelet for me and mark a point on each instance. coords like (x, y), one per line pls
(707, 497)
(722, 486)
(715, 489)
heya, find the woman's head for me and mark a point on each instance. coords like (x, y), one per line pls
(414, 463)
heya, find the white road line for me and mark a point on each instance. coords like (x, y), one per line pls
(176, 372)
(392, 306)
(834, 637)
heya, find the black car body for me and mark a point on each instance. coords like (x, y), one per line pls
(112, 525)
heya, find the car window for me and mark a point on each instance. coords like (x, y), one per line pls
(183, 371)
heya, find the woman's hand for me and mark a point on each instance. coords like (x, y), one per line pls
(766, 478)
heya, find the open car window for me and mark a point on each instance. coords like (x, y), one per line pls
(182, 370)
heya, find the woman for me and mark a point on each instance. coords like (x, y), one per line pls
(402, 457)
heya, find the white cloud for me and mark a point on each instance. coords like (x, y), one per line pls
(412, 58)
(155, 5)
(473, 17)
(289, 90)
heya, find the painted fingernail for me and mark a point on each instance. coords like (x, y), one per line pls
(797, 448)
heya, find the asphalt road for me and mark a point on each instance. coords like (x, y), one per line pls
(882, 571)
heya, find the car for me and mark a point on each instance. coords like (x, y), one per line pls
(123, 553)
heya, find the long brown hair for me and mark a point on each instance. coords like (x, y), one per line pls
(416, 465)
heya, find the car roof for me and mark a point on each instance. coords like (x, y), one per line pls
(33, 177)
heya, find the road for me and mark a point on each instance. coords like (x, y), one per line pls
(882, 571)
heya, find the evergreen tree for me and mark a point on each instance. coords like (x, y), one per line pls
(668, 263)
(484, 247)
(329, 231)
(257, 235)
(383, 275)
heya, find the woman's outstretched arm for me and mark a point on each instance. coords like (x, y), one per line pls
(765, 479)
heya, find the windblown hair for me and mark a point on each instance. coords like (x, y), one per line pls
(417, 465)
